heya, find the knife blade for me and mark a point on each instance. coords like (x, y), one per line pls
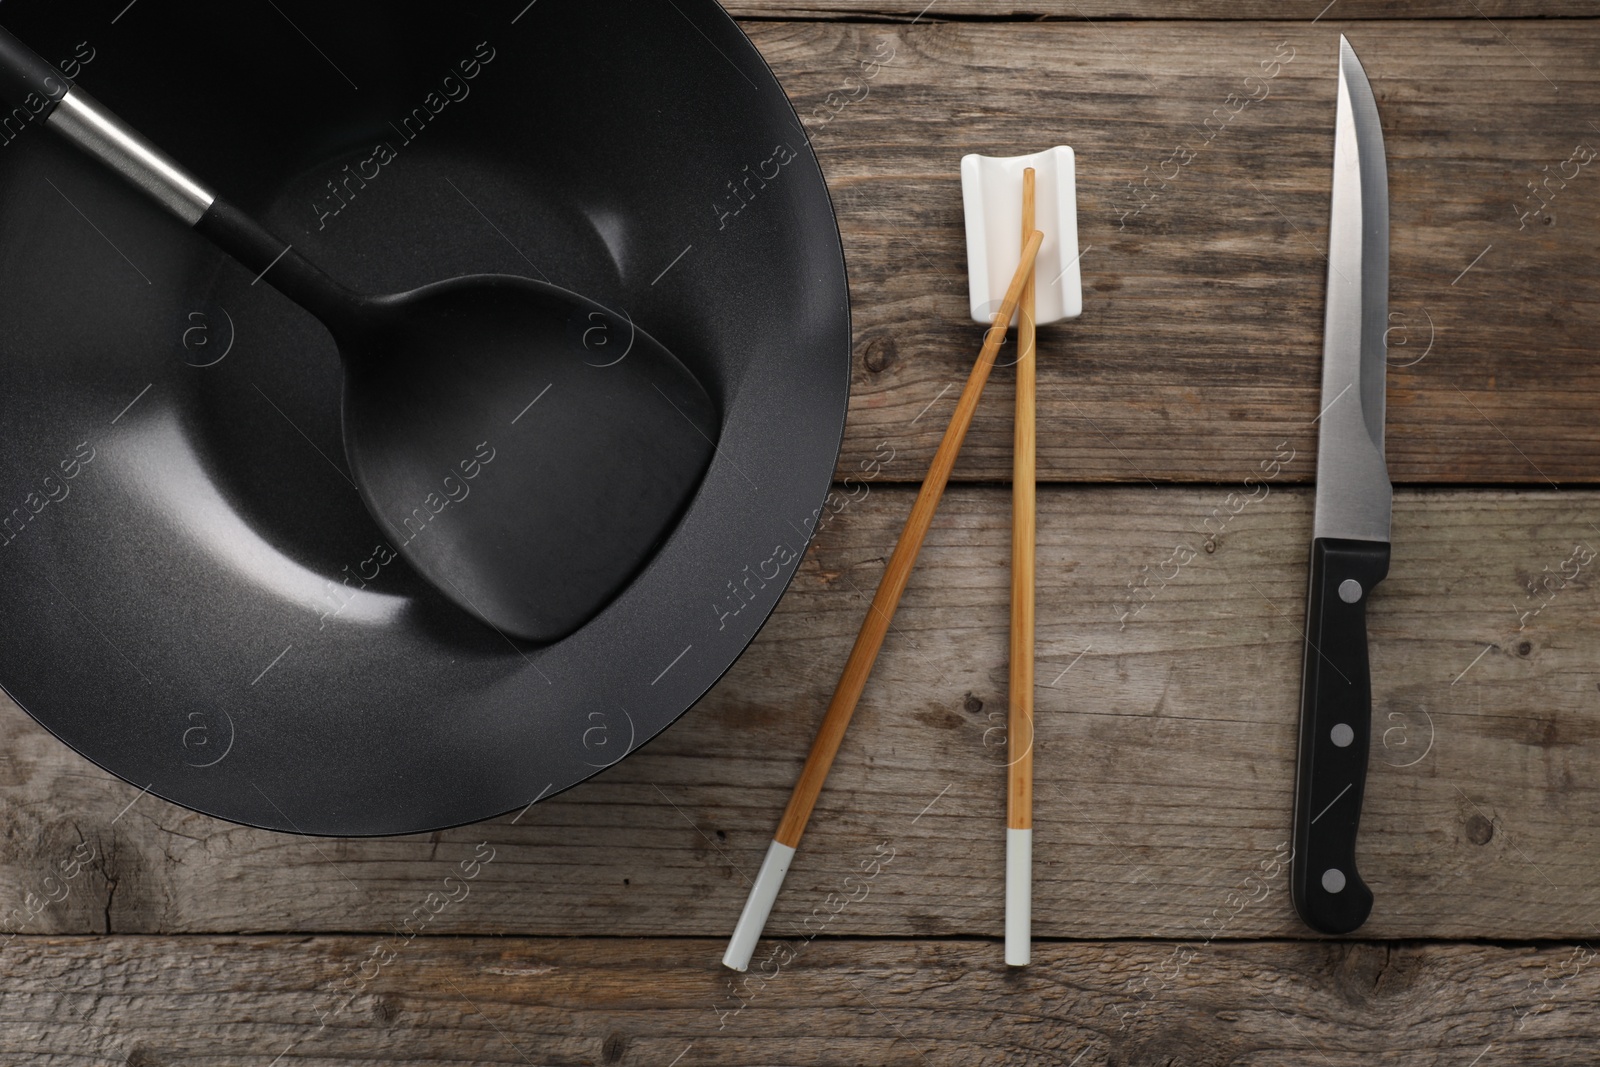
(1350, 531)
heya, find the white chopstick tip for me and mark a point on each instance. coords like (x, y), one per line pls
(753, 920)
(1019, 897)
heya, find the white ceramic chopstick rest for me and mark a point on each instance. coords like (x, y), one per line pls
(758, 906)
(991, 195)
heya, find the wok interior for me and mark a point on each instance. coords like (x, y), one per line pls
(217, 540)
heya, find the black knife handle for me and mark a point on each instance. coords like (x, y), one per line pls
(1335, 733)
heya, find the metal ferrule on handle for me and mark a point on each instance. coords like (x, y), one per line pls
(80, 119)
(30, 82)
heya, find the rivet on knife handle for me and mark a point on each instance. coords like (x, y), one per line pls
(1335, 731)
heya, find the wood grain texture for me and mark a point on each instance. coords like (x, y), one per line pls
(319, 1002)
(1200, 343)
(1166, 751)
(1081, 11)
(1168, 631)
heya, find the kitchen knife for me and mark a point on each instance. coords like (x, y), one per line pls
(1350, 533)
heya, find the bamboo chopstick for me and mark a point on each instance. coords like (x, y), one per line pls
(873, 629)
(1019, 727)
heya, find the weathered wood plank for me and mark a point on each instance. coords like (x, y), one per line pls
(165, 1002)
(1165, 751)
(1200, 342)
(1112, 10)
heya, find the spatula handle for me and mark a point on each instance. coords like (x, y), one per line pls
(81, 119)
(27, 81)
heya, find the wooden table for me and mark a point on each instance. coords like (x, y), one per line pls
(591, 930)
